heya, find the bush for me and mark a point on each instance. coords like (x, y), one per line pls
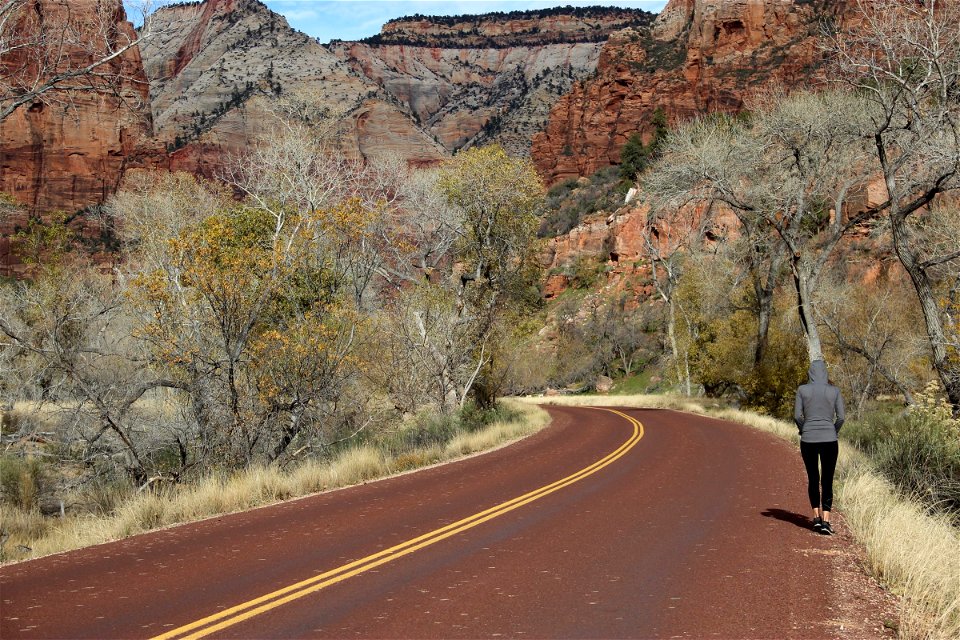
(22, 481)
(430, 429)
(473, 418)
(635, 156)
(919, 450)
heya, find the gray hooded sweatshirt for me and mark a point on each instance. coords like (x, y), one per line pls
(819, 410)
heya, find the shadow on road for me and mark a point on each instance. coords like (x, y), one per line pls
(787, 516)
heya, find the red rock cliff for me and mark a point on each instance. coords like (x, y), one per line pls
(699, 56)
(68, 150)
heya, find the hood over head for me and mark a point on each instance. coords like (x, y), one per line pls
(818, 372)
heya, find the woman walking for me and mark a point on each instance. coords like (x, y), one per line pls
(819, 414)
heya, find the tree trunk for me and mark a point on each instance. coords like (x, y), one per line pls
(763, 331)
(947, 368)
(801, 282)
(672, 334)
(289, 433)
(764, 292)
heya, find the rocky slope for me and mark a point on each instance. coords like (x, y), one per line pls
(221, 64)
(68, 151)
(423, 88)
(471, 80)
(699, 56)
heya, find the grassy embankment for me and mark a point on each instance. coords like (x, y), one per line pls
(30, 534)
(913, 553)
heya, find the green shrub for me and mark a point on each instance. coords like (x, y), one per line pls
(585, 271)
(917, 450)
(569, 202)
(635, 156)
(427, 429)
(473, 418)
(430, 429)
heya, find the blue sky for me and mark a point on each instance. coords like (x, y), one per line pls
(355, 19)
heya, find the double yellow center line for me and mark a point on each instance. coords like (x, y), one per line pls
(246, 610)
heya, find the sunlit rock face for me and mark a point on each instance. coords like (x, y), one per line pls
(422, 89)
(65, 150)
(699, 56)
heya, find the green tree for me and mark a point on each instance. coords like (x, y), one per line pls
(636, 156)
(498, 201)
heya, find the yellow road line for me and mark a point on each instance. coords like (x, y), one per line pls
(249, 609)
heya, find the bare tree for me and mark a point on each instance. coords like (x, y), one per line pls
(675, 229)
(56, 50)
(418, 229)
(697, 156)
(904, 57)
(67, 336)
(798, 168)
(421, 335)
(877, 325)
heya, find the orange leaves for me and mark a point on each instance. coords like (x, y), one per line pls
(300, 360)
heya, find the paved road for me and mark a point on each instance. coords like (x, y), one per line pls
(639, 523)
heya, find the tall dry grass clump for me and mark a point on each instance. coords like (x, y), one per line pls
(915, 554)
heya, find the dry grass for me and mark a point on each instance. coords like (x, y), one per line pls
(532, 419)
(916, 555)
(254, 487)
(18, 529)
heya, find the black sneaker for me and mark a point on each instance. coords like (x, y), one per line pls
(817, 524)
(826, 529)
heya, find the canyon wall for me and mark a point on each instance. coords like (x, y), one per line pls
(421, 89)
(699, 56)
(67, 149)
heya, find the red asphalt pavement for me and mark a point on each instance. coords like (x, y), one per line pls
(694, 532)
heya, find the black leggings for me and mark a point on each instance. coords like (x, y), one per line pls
(827, 453)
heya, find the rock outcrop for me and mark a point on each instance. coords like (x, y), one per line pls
(472, 80)
(699, 56)
(422, 89)
(614, 242)
(67, 150)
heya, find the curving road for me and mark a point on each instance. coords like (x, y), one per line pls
(629, 523)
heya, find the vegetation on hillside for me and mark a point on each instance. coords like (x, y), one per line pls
(570, 201)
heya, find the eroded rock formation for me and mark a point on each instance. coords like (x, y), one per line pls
(422, 89)
(699, 56)
(68, 150)
(493, 78)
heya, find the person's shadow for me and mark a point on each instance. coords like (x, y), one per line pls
(787, 516)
